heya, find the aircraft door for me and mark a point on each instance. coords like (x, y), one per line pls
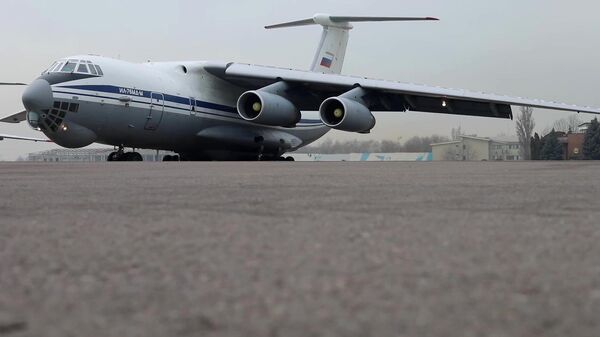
(157, 108)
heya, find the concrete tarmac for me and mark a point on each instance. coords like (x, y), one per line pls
(300, 249)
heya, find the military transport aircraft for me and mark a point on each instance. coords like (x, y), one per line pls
(231, 111)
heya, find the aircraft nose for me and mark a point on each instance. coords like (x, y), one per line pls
(38, 96)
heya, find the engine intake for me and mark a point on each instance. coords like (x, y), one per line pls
(346, 114)
(266, 108)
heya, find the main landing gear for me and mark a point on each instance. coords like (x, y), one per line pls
(281, 158)
(171, 158)
(121, 155)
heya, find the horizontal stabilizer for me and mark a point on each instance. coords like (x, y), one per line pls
(331, 51)
(332, 20)
(378, 18)
(16, 118)
(45, 140)
(12, 83)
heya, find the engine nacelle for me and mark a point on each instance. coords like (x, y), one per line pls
(267, 108)
(346, 114)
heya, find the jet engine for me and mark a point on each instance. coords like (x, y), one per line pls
(268, 108)
(347, 112)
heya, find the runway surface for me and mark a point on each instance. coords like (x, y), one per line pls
(300, 249)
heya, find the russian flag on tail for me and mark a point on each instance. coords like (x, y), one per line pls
(327, 60)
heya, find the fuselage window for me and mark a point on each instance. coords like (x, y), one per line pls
(82, 69)
(93, 69)
(99, 70)
(69, 67)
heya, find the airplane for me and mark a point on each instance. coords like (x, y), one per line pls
(205, 110)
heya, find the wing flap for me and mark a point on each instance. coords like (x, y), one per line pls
(394, 102)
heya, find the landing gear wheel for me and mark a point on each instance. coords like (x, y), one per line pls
(132, 156)
(113, 156)
(290, 158)
(124, 156)
(171, 158)
(136, 156)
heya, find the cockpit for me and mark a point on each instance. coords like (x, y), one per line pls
(72, 66)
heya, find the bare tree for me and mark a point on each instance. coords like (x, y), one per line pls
(568, 124)
(456, 133)
(525, 125)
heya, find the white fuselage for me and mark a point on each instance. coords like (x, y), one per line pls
(168, 106)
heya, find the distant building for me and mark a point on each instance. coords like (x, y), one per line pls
(470, 148)
(572, 144)
(505, 148)
(582, 128)
(100, 155)
(87, 155)
(425, 156)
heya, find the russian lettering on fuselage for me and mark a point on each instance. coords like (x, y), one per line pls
(132, 92)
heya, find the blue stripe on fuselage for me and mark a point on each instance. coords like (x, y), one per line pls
(146, 93)
(167, 98)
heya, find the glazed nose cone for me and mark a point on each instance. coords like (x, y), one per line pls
(38, 96)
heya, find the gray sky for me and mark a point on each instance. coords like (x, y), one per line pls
(544, 49)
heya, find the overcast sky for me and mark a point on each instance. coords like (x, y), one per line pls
(548, 49)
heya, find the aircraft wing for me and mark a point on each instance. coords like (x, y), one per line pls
(383, 95)
(3, 136)
(16, 118)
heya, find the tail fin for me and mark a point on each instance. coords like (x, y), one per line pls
(334, 40)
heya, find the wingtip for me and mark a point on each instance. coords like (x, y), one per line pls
(432, 18)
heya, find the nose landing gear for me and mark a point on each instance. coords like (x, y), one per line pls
(121, 155)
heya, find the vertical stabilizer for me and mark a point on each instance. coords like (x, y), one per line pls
(331, 51)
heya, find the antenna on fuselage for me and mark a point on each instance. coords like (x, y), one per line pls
(331, 51)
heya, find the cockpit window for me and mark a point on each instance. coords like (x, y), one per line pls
(82, 68)
(75, 66)
(92, 69)
(50, 68)
(69, 67)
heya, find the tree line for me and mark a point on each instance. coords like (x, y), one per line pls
(415, 144)
(548, 147)
(533, 146)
